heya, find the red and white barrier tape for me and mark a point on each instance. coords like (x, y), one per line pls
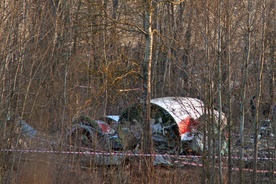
(125, 154)
(86, 153)
(122, 154)
(96, 152)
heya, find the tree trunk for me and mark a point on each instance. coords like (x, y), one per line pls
(146, 137)
(229, 101)
(219, 90)
(243, 93)
(259, 93)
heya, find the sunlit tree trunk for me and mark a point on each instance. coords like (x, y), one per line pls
(166, 87)
(146, 67)
(259, 88)
(105, 57)
(187, 50)
(244, 91)
(272, 41)
(219, 89)
(229, 95)
(208, 158)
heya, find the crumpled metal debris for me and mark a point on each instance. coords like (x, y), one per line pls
(161, 160)
(130, 133)
(168, 114)
(26, 129)
(87, 132)
(266, 129)
(105, 127)
(102, 160)
(8, 122)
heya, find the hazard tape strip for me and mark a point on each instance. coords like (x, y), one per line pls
(124, 154)
(97, 152)
(86, 153)
(90, 151)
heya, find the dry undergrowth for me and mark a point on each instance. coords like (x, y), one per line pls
(48, 168)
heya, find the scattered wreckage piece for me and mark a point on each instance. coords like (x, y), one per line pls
(95, 134)
(108, 123)
(130, 133)
(164, 132)
(105, 127)
(9, 123)
(112, 120)
(163, 161)
(175, 123)
(102, 160)
(265, 129)
(17, 133)
(26, 129)
(266, 153)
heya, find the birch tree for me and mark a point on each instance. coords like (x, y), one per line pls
(146, 66)
(219, 87)
(244, 81)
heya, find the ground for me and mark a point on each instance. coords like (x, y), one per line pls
(55, 167)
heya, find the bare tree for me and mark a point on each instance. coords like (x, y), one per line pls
(259, 87)
(147, 65)
(244, 81)
(219, 87)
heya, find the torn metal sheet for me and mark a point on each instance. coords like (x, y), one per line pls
(113, 117)
(180, 107)
(93, 134)
(26, 129)
(173, 119)
(105, 127)
(162, 160)
(186, 111)
(102, 160)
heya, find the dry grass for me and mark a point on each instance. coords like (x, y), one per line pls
(69, 169)
(44, 170)
(50, 168)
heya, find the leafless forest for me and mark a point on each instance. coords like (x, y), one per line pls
(60, 59)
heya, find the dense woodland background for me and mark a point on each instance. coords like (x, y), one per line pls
(60, 59)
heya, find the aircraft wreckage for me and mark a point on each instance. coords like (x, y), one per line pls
(179, 125)
(176, 124)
